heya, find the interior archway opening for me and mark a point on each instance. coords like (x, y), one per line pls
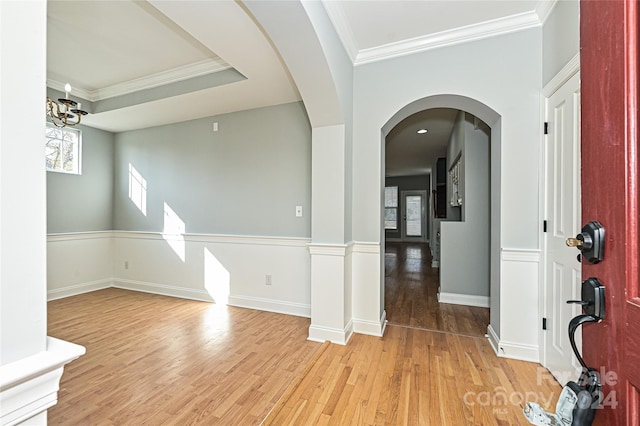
(440, 231)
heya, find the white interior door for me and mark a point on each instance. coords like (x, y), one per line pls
(562, 271)
(414, 215)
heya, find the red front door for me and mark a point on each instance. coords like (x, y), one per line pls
(610, 182)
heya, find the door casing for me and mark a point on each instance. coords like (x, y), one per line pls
(560, 268)
(424, 208)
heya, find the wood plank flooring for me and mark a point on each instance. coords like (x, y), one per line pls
(411, 294)
(415, 377)
(155, 360)
(160, 360)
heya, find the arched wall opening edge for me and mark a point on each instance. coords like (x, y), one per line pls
(494, 121)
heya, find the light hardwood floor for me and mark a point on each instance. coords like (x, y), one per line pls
(414, 377)
(157, 360)
(411, 294)
(160, 360)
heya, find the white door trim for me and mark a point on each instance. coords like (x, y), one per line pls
(568, 71)
(403, 227)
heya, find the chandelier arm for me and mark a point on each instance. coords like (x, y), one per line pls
(56, 115)
(62, 116)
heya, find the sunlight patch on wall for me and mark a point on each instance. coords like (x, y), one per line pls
(173, 232)
(216, 278)
(138, 189)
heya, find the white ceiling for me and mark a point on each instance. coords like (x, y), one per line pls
(148, 63)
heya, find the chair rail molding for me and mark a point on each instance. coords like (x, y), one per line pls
(29, 386)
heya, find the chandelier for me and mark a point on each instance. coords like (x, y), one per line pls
(65, 112)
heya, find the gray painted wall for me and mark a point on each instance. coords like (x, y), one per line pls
(464, 261)
(245, 179)
(560, 37)
(81, 203)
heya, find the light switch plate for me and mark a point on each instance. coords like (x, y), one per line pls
(298, 211)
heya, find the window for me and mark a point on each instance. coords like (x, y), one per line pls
(63, 149)
(391, 207)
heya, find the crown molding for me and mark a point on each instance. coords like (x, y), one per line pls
(469, 33)
(78, 92)
(207, 66)
(342, 27)
(544, 9)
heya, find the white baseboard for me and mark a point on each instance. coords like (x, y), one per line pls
(334, 335)
(494, 341)
(81, 288)
(372, 328)
(277, 306)
(464, 299)
(511, 350)
(165, 290)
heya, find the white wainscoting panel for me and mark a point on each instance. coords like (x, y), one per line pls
(369, 316)
(265, 273)
(78, 263)
(247, 271)
(519, 309)
(329, 319)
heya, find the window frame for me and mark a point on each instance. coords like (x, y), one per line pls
(391, 207)
(77, 156)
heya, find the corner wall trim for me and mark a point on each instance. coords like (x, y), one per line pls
(334, 335)
(270, 305)
(372, 328)
(521, 255)
(327, 249)
(164, 290)
(464, 299)
(494, 340)
(512, 350)
(218, 238)
(76, 289)
(365, 247)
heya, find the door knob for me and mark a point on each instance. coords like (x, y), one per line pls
(590, 242)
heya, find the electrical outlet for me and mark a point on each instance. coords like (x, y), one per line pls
(267, 280)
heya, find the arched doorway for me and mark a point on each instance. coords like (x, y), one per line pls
(493, 120)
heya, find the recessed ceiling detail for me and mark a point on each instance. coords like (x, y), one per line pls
(133, 61)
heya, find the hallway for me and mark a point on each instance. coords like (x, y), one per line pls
(411, 294)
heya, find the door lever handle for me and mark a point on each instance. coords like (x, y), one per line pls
(592, 299)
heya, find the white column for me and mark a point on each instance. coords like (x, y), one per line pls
(30, 363)
(330, 301)
(22, 179)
